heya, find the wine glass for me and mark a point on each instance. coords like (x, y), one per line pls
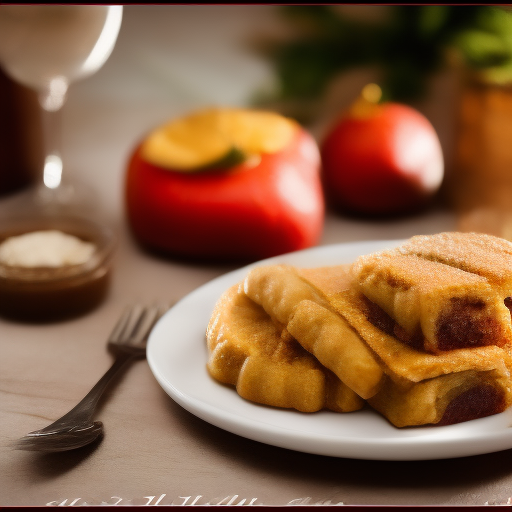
(46, 48)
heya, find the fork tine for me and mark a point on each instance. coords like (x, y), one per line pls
(136, 322)
(137, 317)
(126, 323)
(147, 320)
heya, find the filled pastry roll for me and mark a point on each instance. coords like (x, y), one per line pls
(422, 333)
(443, 400)
(422, 388)
(430, 305)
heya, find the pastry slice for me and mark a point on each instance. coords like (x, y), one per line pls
(334, 322)
(485, 255)
(408, 386)
(337, 346)
(422, 388)
(443, 400)
(255, 353)
(297, 299)
(279, 288)
(404, 363)
(429, 305)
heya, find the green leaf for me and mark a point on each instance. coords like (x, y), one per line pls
(483, 49)
(432, 18)
(408, 45)
(320, 19)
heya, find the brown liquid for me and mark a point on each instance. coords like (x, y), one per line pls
(46, 294)
(49, 302)
(21, 148)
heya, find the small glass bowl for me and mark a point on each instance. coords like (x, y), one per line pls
(45, 294)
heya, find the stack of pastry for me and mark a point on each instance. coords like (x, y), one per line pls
(422, 333)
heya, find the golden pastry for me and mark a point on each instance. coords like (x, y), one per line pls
(422, 388)
(485, 255)
(421, 332)
(436, 307)
(333, 342)
(444, 400)
(249, 350)
(290, 297)
(404, 362)
(337, 324)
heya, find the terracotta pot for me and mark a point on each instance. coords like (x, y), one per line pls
(480, 187)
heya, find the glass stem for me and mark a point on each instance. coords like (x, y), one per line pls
(51, 100)
(52, 169)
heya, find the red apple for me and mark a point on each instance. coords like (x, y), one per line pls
(381, 159)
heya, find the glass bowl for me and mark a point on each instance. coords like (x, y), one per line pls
(46, 294)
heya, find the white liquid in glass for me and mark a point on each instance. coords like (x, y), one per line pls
(41, 43)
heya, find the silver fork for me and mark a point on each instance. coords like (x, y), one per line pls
(76, 428)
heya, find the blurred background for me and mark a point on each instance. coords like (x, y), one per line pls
(451, 63)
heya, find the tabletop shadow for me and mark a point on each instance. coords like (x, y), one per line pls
(46, 466)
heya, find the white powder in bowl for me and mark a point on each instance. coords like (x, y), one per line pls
(50, 248)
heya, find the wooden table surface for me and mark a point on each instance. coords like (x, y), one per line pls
(153, 450)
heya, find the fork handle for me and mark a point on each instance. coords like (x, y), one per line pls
(84, 410)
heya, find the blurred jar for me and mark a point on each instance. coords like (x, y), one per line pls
(21, 145)
(481, 179)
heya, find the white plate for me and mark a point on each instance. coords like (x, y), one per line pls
(177, 356)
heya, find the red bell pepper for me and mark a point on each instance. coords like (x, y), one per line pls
(245, 212)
